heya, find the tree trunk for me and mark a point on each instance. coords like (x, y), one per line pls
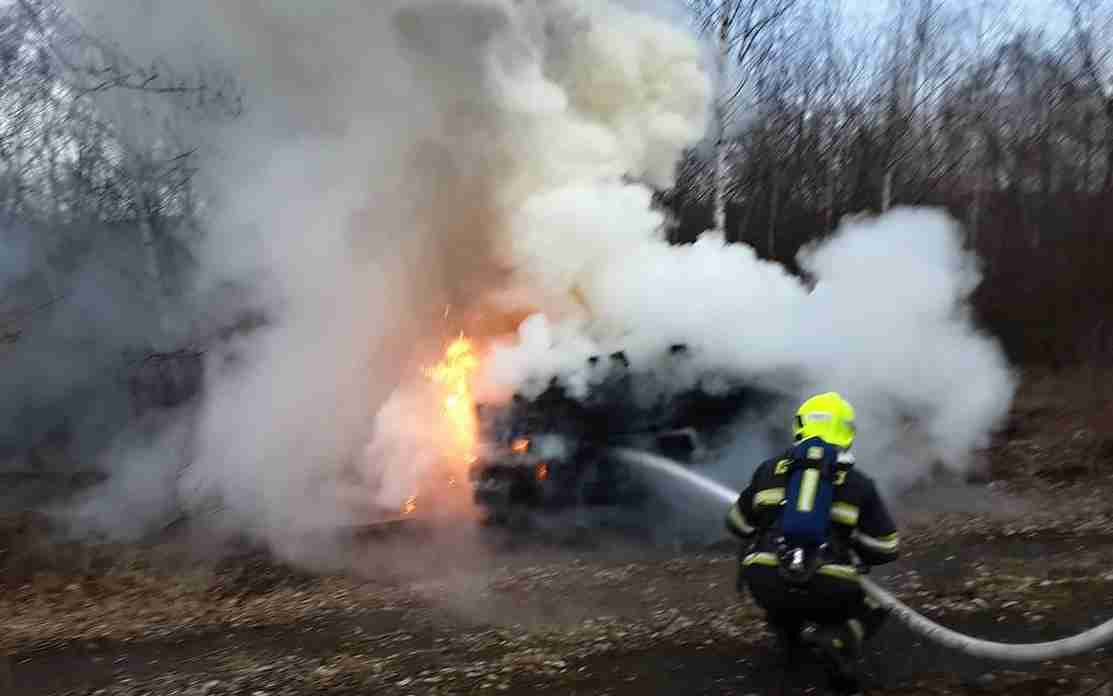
(744, 224)
(154, 272)
(52, 179)
(975, 216)
(1107, 185)
(720, 188)
(1088, 146)
(829, 202)
(720, 204)
(774, 212)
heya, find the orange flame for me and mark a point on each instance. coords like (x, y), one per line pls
(410, 506)
(520, 446)
(453, 373)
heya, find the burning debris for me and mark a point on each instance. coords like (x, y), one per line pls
(511, 155)
(410, 506)
(453, 427)
(454, 374)
(554, 452)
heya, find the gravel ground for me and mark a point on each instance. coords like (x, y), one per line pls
(484, 616)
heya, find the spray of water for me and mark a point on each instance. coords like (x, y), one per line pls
(705, 485)
(1078, 644)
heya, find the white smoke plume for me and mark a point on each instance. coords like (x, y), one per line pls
(887, 324)
(405, 169)
(410, 168)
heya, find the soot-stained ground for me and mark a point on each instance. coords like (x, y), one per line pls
(1026, 558)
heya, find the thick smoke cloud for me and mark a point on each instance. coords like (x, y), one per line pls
(68, 317)
(404, 169)
(886, 324)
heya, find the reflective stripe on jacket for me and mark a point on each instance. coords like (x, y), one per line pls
(861, 523)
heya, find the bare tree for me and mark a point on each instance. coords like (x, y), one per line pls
(89, 136)
(1002, 121)
(1091, 21)
(745, 33)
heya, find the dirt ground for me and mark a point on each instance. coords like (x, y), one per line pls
(1025, 556)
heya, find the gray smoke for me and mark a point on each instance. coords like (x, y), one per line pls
(74, 322)
(403, 169)
(406, 169)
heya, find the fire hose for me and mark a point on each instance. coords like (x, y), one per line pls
(1003, 652)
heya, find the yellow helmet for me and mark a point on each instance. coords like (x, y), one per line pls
(826, 416)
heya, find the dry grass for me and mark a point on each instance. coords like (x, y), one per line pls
(67, 597)
(1060, 427)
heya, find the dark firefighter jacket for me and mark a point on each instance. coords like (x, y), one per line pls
(862, 530)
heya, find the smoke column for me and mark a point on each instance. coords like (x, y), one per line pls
(407, 169)
(404, 170)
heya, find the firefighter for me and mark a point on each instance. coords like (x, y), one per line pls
(812, 522)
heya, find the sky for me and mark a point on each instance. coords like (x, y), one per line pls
(1047, 14)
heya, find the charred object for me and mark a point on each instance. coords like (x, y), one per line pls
(553, 452)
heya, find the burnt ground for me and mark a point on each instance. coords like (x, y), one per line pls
(1028, 557)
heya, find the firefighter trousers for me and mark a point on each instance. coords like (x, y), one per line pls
(824, 600)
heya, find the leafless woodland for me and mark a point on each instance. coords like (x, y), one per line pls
(1004, 119)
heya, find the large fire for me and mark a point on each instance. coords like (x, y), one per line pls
(453, 373)
(460, 444)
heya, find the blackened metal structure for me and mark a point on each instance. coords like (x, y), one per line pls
(555, 452)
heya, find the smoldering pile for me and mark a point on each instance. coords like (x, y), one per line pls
(619, 402)
(549, 455)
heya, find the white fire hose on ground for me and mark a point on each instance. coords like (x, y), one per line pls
(1078, 644)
